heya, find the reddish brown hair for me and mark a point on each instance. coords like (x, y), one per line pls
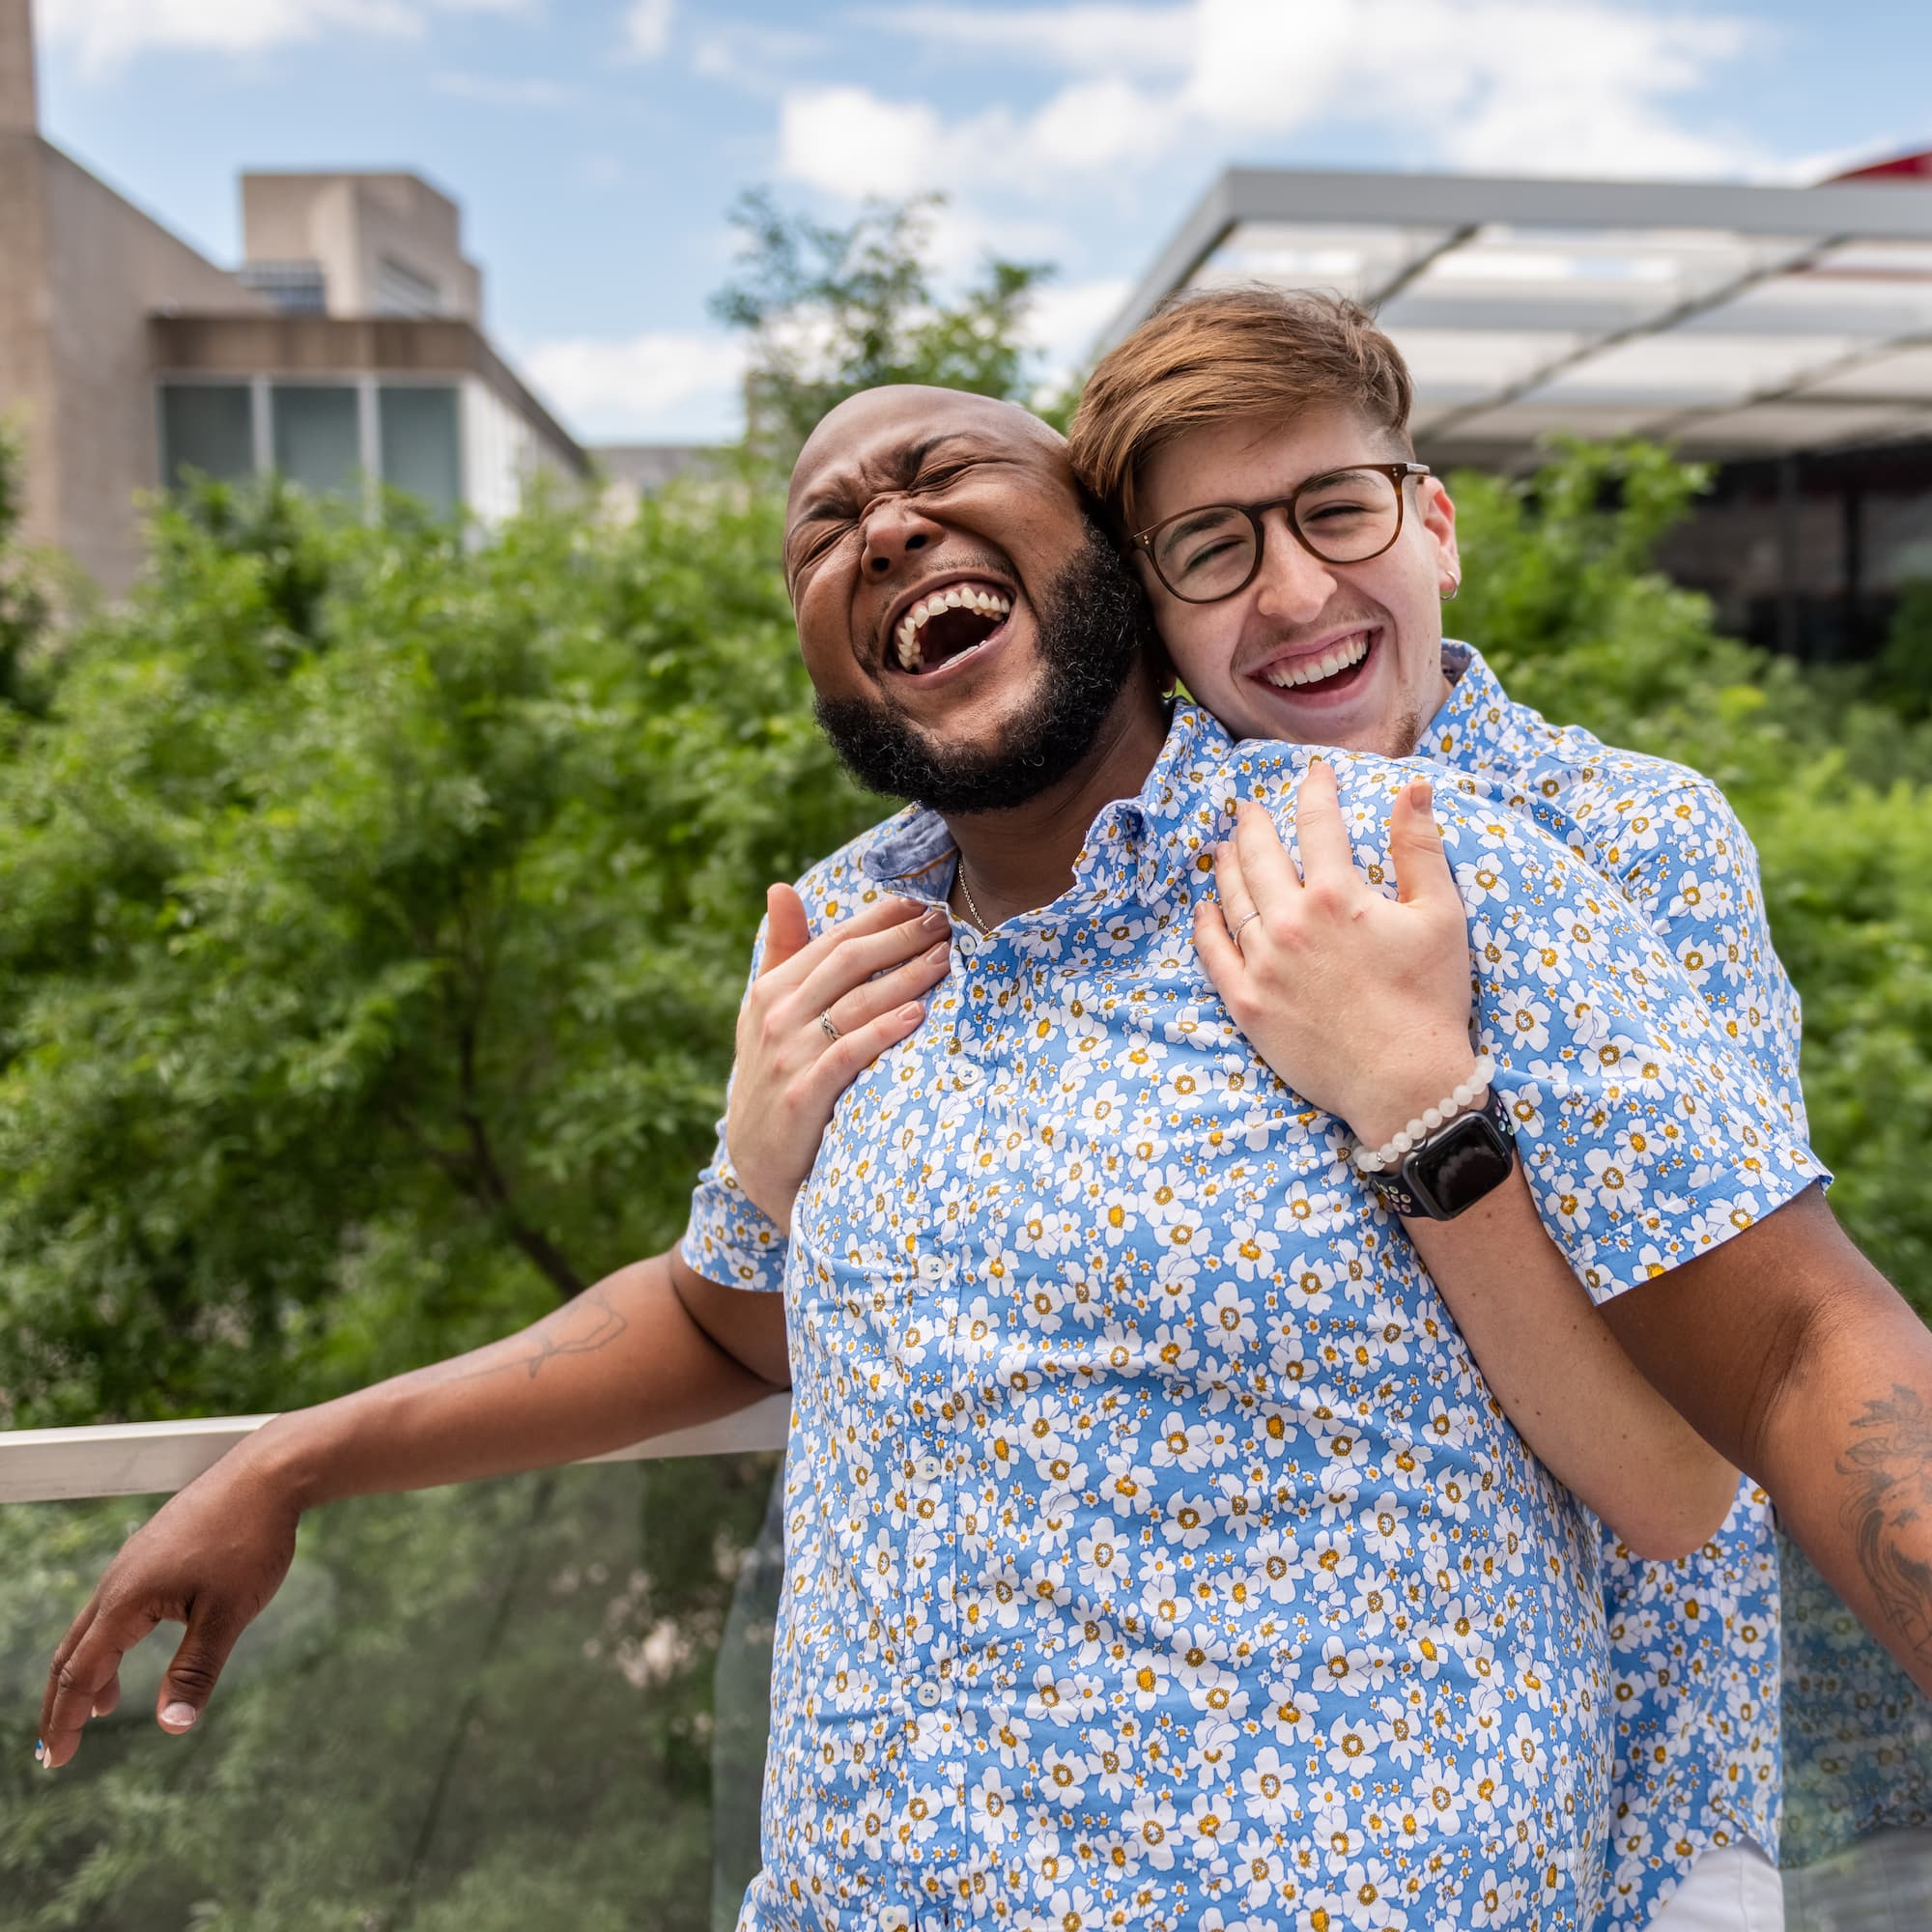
(1224, 355)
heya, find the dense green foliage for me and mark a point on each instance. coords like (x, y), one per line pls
(25, 618)
(373, 914)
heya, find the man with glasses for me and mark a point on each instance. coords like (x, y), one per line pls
(1240, 440)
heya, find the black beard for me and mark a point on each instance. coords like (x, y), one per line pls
(1092, 623)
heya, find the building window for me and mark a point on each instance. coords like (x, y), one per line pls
(207, 427)
(295, 288)
(401, 291)
(317, 439)
(420, 448)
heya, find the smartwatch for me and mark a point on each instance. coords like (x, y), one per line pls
(1450, 1171)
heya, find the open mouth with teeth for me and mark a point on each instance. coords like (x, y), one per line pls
(950, 624)
(1332, 670)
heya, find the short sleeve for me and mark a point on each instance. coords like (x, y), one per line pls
(730, 1239)
(1643, 1137)
(1689, 863)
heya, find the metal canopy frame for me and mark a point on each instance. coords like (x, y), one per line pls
(1734, 319)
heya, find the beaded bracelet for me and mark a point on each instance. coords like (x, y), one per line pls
(1430, 1118)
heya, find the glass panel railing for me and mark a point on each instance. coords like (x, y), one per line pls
(545, 1701)
(1858, 1769)
(535, 1702)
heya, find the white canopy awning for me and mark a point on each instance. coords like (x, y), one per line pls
(1734, 320)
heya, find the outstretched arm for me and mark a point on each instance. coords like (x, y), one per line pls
(1799, 1360)
(651, 1348)
(1363, 1005)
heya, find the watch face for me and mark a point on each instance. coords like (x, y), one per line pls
(1458, 1167)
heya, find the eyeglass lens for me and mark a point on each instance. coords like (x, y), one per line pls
(1344, 519)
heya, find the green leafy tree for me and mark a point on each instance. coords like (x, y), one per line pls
(830, 311)
(1905, 665)
(25, 617)
(373, 904)
(373, 916)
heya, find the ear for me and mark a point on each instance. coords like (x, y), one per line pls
(1161, 666)
(1437, 510)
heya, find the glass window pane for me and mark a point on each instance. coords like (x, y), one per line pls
(491, 1708)
(317, 443)
(420, 451)
(207, 427)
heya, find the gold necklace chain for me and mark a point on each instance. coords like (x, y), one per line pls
(979, 919)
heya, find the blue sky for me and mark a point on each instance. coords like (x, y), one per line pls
(597, 145)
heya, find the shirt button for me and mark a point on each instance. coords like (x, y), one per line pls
(931, 1267)
(928, 1695)
(928, 1469)
(967, 1078)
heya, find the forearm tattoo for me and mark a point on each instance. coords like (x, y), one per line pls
(1887, 1509)
(581, 1327)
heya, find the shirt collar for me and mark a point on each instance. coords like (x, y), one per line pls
(913, 852)
(1476, 727)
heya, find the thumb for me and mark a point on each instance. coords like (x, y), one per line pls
(191, 1678)
(1415, 845)
(786, 932)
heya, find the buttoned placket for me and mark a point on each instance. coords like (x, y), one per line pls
(980, 1066)
(942, 1272)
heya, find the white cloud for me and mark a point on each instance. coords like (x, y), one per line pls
(850, 141)
(1574, 87)
(607, 388)
(106, 34)
(493, 93)
(1093, 38)
(646, 30)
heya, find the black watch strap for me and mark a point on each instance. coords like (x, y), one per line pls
(1463, 1160)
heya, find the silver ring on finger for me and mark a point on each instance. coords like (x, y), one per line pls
(1241, 926)
(828, 1027)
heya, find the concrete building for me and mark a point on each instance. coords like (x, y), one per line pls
(346, 351)
(1785, 333)
(357, 244)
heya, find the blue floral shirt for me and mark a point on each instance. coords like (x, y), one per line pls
(1695, 1645)
(1156, 1554)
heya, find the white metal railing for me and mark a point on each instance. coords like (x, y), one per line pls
(145, 1459)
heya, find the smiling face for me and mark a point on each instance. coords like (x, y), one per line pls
(1312, 652)
(964, 628)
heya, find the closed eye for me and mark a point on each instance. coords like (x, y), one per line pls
(810, 544)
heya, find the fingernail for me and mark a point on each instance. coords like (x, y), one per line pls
(911, 1011)
(935, 915)
(1418, 792)
(178, 1717)
(940, 952)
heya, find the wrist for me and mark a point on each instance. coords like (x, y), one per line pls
(288, 1457)
(1397, 1105)
(774, 1201)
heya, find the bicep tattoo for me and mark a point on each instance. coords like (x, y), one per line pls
(1887, 1509)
